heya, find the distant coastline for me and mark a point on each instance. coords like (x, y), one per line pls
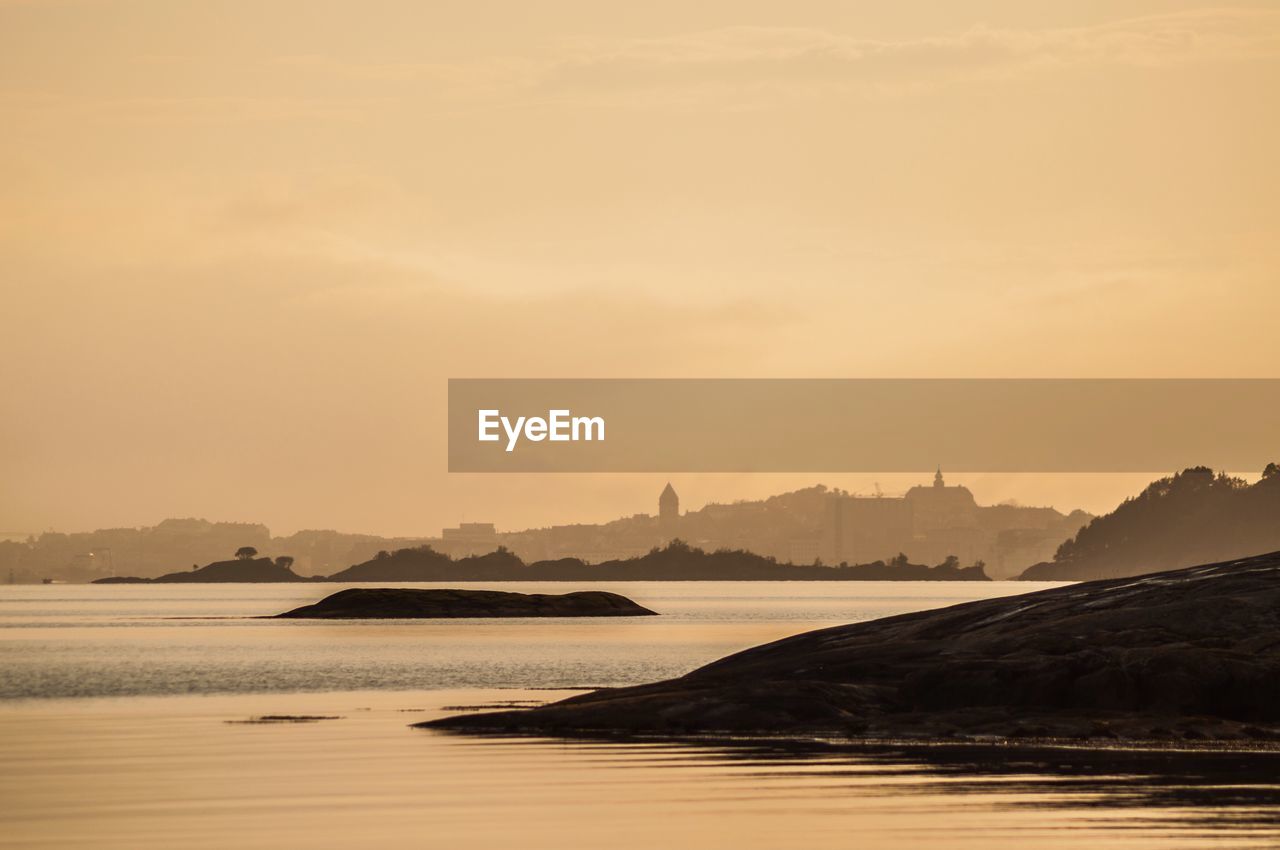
(677, 561)
(1194, 516)
(814, 526)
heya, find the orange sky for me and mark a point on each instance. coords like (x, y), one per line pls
(243, 245)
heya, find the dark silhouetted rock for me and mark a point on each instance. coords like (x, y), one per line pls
(1188, 654)
(240, 570)
(392, 603)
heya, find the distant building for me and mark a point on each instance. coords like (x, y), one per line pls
(469, 538)
(862, 529)
(668, 512)
(941, 507)
(930, 523)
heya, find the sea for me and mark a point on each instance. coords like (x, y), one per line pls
(174, 716)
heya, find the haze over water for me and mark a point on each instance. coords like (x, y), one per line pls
(132, 736)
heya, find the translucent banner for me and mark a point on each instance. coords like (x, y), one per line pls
(860, 425)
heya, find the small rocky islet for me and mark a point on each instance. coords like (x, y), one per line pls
(406, 603)
(1185, 655)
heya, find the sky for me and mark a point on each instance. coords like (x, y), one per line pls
(243, 245)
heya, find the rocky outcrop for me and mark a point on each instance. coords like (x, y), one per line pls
(240, 570)
(1193, 653)
(392, 603)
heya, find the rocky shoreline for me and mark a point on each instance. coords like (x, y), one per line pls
(1191, 655)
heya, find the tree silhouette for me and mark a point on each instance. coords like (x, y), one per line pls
(285, 561)
(246, 553)
(1193, 517)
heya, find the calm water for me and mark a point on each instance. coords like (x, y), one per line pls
(118, 640)
(121, 727)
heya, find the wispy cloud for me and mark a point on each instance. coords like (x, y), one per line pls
(801, 60)
(731, 68)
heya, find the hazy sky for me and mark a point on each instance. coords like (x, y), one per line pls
(244, 244)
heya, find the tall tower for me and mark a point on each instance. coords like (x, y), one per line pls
(937, 478)
(668, 511)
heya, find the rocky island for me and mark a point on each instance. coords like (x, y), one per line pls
(1192, 654)
(404, 604)
(244, 569)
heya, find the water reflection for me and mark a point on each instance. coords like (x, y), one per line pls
(1198, 789)
(151, 773)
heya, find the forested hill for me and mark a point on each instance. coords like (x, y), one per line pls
(1193, 517)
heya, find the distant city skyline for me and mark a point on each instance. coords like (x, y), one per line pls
(625, 495)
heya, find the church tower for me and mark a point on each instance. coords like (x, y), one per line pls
(668, 511)
(937, 479)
